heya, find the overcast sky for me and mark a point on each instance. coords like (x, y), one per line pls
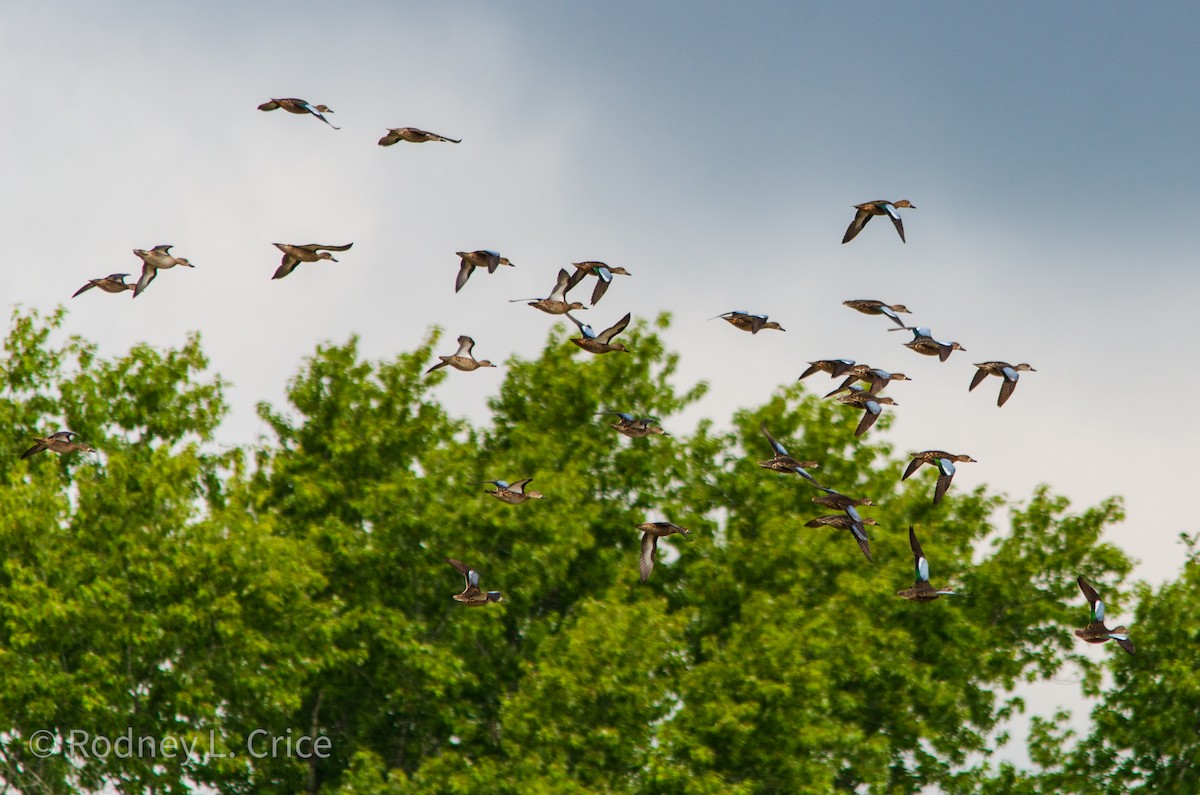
(714, 150)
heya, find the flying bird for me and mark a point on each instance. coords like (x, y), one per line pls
(462, 358)
(154, 260)
(744, 321)
(631, 427)
(470, 260)
(782, 462)
(921, 590)
(872, 307)
(847, 522)
(471, 596)
(602, 342)
(112, 283)
(602, 272)
(924, 343)
(651, 532)
(878, 207)
(294, 255)
(556, 303)
(293, 105)
(872, 406)
(413, 136)
(1008, 372)
(513, 493)
(57, 443)
(945, 467)
(1095, 631)
(877, 378)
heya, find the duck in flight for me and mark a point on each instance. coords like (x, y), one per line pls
(293, 105)
(311, 252)
(865, 212)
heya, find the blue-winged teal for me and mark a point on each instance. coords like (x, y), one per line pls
(1008, 374)
(602, 342)
(462, 359)
(847, 522)
(471, 595)
(513, 493)
(311, 252)
(924, 343)
(835, 367)
(634, 428)
(112, 283)
(57, 443)
(1095, 631)
(945, 467)
(871, 307)
(651, 532)
(154, 260)
(877, 378)
(470, 260)
(872, 406)
(782, 462)
(293, 105)
(603, 274)
(413, 136)
(878, 207)
(556, 303)
(921, 590)
(745, 321)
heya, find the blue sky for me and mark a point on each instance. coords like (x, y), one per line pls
(713, 150)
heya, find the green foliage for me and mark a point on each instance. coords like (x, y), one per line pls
(161, 589)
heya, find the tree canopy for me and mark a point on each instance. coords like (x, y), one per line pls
(299, 587)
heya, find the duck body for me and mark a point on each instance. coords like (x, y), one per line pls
(300, 106)
(112, 283)
(293, 255)
(462, 359)
(868, 210)
(1009, 373)
(651, 532)
(413, 136)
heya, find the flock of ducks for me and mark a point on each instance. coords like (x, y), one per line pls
(860, 388)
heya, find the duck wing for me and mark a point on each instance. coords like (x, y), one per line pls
(980, 374)
(287, 266)
(860, 220)
(646, 562)
(607, 335)
(1006, 389)
(148, 274)
(464, 272)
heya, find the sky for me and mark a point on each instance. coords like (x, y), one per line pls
(713, 150)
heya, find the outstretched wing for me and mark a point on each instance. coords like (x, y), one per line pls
(465, 344)
(980, 374)
(646, 562)
(860, 220)
(776, 446)
(607, 335)
(894, 214)
(1006, 389)
(919, 561)
(148, 274)
(912, 467)
(287, 266)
